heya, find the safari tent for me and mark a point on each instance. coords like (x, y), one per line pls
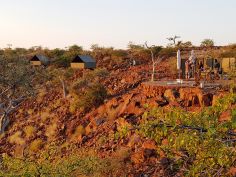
(83, 62)
(38, 60)
(228, 64)
(210, 63)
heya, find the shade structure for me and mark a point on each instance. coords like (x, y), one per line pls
(178, 60)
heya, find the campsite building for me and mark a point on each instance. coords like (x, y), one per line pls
(228, 64)
(38, 60)
(83, 62)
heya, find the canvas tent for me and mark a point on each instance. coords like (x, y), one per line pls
(228, 64)
(83, 62)
(38, 60)
(210, 62)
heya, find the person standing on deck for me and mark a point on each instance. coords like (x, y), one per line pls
(201, 66)
(192, 63)
(216, 66)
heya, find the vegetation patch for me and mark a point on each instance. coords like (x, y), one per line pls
(197, 144)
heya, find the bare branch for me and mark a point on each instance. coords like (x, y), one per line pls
(15, 86)
(63, 87)
(154, 63)
(6, 90)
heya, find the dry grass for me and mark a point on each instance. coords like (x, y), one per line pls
(111, 114)
(41, 94)
(16, 138)
(172, 64)
(36, 145)
(79, 132)
(51, 130)
(30, 111)
(29, 131)
(44, 115)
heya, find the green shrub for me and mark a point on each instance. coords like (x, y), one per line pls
(197, 142)
(168, 52)
(207, 43)
(62, 61)
(81, 163)
(94, 95)
(229, 54)
(88, 91)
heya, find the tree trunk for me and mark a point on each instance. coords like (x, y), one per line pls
(63, 88)
(153, 66)
(153, 72)
(4, 121)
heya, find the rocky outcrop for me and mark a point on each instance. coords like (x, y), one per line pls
(187, 96)
(171, 95)
(195, 96)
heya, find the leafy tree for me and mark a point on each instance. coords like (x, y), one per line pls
(187, 44)
(57, 52)
(119, 53)
(95, 47)
(207, 43)
(181, 44)
(21, 51)
(101, 52)
(132, 46)
(1, 52)
(9, 53)
(138, 51)
(64, 57)
(75, 49)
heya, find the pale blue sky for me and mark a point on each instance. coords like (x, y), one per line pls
(60, 23)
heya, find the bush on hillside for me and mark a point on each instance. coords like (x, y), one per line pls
(62, 61)
(168, 52)
(89, 91)
(93, 95)
(80, 163)
(229, 54)
(194, 141)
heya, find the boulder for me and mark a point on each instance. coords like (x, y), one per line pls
(149, 144)
(134, 140)
(171, 95)
(137, 157)
(232, 171)
(195, 96)
(122, 81)
(149, 153)
(225, 116)
(164, 142)
(206, 99)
